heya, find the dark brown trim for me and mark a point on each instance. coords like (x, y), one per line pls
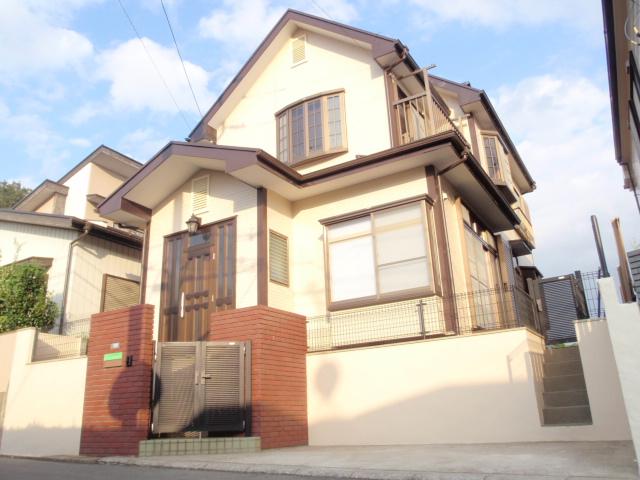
(263, 259)
(145, 263)
(367, 211)
(474, 136)
(442, 249)
(210, 224)
(136, 209)
(380, 46)
(392, 97)
(308, 99)
(612, 70)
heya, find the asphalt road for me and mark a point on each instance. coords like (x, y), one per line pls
(21, 469)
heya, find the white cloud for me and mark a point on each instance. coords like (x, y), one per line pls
(244, 23)
(30, 42)
(503, 13)
(562, 128)
(80, 142)
(142, 143)
(135, 84)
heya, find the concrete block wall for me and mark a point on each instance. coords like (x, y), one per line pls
(118, 397)
(278, 370)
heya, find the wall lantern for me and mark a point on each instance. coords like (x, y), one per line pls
(193, 224)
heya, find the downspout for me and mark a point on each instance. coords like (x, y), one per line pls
(63, 305)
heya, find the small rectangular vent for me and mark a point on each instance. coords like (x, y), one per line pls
(298, 49)
(200, 194)
(278, 258)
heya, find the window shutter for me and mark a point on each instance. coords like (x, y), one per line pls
(174, 393)
(298, 49)
(278, 258)
(119, 293)
(200, 194)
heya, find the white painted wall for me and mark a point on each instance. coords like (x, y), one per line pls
(19, 241)
(623, 321)
(331, 64)
(45, 401)
(228, 197)
(76, 205)
(473, 389)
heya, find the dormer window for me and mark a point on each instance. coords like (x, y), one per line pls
(311, 128)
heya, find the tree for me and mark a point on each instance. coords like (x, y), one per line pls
(24, 301)
(11, 192)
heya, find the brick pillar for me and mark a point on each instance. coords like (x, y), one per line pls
(278, 370)
(117, 397)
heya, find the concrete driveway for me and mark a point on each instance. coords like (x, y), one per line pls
(548, 461)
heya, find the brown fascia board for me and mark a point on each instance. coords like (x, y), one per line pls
(612, 66)
(56, 187)
(68, 223)
(88, 158)
(237, 158)
(95, 199)
(380, 46)
(467, 95)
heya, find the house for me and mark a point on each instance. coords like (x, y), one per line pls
(92, 263)
(621, 39)
(360, 225)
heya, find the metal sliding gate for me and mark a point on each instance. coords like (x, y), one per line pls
(202, 387)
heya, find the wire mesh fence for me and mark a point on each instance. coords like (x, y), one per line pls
(462, 314)
(48, 346)
(589, 283)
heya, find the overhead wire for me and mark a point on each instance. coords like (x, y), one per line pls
(135, 30)
(175, 42)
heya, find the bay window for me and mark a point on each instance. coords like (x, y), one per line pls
(381, 255)
(311, 128)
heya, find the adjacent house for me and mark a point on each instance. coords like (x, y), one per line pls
(621, 24)
(92, 263)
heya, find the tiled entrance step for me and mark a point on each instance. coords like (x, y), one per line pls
(198, 446)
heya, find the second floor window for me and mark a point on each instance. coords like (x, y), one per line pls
(491, 154)
(311, 128)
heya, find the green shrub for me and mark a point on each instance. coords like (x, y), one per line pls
(24, 301)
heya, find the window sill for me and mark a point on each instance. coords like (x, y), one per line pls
(413, 294)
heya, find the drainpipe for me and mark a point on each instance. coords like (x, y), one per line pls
(85, 231)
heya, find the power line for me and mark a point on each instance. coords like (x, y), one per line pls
(126, 14)
(321, 9)
(175, 42)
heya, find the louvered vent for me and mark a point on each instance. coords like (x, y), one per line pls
(200, 194)
(560, 307)
(119, 293)
(278, 258)
(224, 387)
(175, 387)
(298, 49)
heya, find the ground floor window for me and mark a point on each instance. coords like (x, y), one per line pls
(380, 255)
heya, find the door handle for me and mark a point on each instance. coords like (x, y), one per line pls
(206, 377)
(182, 305)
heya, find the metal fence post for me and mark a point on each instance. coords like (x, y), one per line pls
(423, 331)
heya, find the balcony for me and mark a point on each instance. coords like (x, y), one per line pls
(420, 116)
(478, 311)
(524, 229)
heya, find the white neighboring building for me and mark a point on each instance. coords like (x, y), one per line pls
(92, 263)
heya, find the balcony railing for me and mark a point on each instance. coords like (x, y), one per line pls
(420, 117)
(478, 311)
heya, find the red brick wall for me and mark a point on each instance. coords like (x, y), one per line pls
(278, 370)
(117, 400)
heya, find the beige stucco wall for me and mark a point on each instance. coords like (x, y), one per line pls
(307, 246)
(331, 64)
(20, 241)
(7, 346)
(280, 220)
(474, 389)
(623, 322)
(228, 197)
(76, 205)
(101, 182)
(92, 258)
(43, 414)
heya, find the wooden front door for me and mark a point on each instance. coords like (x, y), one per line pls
(198, 279)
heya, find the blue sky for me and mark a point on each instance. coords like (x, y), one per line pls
(73, 76)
